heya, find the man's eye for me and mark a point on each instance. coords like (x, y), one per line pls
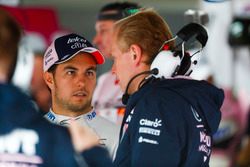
(70, 72)
(91, 73)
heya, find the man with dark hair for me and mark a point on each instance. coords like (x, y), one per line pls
(107, 95)
(26, 139)
(70, 64)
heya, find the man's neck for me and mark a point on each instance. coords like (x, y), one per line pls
(70, 113)
(137, 81)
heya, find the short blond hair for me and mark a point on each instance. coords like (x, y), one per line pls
(146, 29)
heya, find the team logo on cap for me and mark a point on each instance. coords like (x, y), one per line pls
(48, 57)
(66, 47)
(76, 39)
(78, 43)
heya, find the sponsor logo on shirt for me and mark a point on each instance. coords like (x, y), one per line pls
(91, 115)
(18, 148)
(205, 140)
(205, 145)
(145, 140)
(196, 115)
(150, 127)
(150, 131)
(51, 116)
(156, 123)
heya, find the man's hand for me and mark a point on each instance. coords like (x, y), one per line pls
(83, 138)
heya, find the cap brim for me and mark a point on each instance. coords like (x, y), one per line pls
(93, 51)
(96, 53)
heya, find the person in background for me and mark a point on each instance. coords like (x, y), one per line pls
(30, 63)
(39, 90)
(107, 95)
(168, 122)
(27, 139)
(70, 65)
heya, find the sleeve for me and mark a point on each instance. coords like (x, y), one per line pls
(66, 156)
(158, 134)
(63, 152)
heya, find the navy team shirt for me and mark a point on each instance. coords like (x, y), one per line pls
(170, 123)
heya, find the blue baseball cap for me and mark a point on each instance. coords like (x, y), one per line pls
(66, 47)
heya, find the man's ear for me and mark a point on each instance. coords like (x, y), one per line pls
(136, 53)
(49, 79)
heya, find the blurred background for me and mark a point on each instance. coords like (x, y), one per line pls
(80, 15)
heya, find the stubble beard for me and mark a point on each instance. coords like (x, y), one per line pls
(83, 107)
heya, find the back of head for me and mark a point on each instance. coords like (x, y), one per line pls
(116, 10)
(10, 34)
(147, 29)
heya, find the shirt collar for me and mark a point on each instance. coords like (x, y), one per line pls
(64, 120)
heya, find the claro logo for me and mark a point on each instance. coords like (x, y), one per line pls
(150, 123)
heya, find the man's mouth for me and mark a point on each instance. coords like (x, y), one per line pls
(80, 94)
(117, 81)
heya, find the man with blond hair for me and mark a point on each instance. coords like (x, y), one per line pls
(169, 122)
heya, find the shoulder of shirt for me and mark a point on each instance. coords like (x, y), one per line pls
(105, 123)
(104, 120)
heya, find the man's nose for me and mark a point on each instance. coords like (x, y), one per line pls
(81, 79)
(113, 69)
